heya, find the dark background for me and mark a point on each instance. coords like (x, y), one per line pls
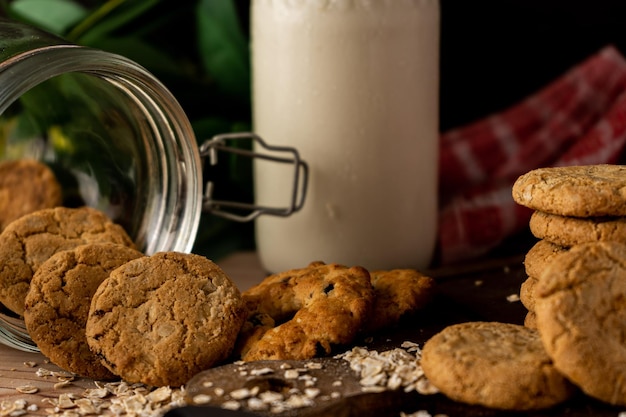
(496, 52)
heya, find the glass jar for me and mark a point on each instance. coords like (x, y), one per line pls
(117, 140)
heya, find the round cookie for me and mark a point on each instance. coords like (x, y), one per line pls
(397, 292)
(581, 316)
(569, 231)
(58, 301)
(26, 186)
(316, 308)
(496, 365)
(527, 293)
(579, 191)
(160, 319)
(33, 238)
(539, 256)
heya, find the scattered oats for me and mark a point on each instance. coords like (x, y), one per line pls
(478, 282)
(207, 384)
(285, 366)
(63, 383)
(394, 369)
(30, 364)
(512, 298)
(231, 405)
(63, 374)
(219, 391)
(241, 394)
(269, 397)
(291, 374)
(66, 401)
(99, 392)
(160, 394)
(313, 365)
(298, 401)
(255, 404)
(312, 392)
(424, 387)
(86, 406)
(13, 408)
(201, 399)
(27, 389)
(335, 395)
(261, 371)
(43, 372)
(243, 373)
(337, 383)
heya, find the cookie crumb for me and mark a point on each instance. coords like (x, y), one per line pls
(512, 298)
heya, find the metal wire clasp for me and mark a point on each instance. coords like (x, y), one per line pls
(217, 143)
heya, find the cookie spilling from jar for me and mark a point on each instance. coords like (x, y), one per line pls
(573, 336)
(98, 307)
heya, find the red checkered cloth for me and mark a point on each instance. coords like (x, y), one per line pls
(578, 119)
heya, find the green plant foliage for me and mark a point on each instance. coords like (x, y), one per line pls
(198, 48)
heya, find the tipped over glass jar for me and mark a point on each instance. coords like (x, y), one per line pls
(117, 140)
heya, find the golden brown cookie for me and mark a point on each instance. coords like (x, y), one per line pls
(397, 292)
(581, 316)
(160, 319)
(579, 191)
(530, 320)
(497, 365)
(33, 238)
(26, 185)
(539, 256)
(527, 293)
(569, 231)
(315, 308)
(58, 301)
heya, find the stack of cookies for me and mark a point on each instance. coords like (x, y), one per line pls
(574, 338)
(573, 205)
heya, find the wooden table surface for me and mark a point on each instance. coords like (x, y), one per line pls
(481, 291)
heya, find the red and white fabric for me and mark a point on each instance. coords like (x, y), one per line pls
(580, 118)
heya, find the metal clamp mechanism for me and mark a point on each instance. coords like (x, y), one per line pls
(221, 208)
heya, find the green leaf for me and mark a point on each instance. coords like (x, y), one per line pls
(223, 47)
(111, 16)
(55, 16)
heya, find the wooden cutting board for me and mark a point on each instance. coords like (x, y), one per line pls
(487, 291)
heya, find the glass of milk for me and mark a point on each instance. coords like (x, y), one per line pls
(354, 86)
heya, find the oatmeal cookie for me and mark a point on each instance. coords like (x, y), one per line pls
(315, 308)
(26, 186)
(527, 293)
(160, 319)
(58, 302)
(33, 238)
(581, 317)
(578, 191)
(569, 231)
(539, 256)
(397, 292)
(497, 365)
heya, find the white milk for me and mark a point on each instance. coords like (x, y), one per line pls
(353, 85)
